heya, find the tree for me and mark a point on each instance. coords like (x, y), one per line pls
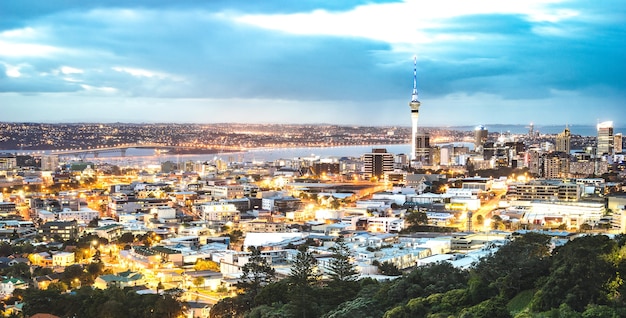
(93, 222)
(335, 204)
(72, 272)
(235, 235)
(341, 267)
(37, 301)
(388, 268)
(5, 249)
(126, 238)
(496, 222)
(19, 270)
(198, 281)
(515, 267)
(256, 273)
(60, 287)
(416, 218)
(95, 269)
(229, 307)
(579, 274)
(206, 265)
(302, 277)
(495, 307)
(480, 219)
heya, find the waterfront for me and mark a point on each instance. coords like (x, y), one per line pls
(147, 157)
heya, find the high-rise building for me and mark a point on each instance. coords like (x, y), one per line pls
(480, 137)
(422, 148)
(618, 142)
(555, 165)
(377, 163)
(605, 138)
(563, 140)
(415, 108)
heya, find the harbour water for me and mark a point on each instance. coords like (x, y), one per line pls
(146, 157)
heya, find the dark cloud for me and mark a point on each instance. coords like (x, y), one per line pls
(17, 14)
(514, 59)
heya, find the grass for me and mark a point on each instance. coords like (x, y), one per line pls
(520, 302)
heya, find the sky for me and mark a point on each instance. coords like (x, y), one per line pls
(550, 62)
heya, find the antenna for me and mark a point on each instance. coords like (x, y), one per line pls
(414, 95)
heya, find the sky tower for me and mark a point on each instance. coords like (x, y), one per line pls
(415, 108)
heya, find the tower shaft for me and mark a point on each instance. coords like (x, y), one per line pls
(414, 104)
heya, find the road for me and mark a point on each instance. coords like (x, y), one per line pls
(486, 209)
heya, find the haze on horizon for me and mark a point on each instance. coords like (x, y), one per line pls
(348, 62)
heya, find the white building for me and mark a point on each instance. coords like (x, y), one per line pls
(84, 215)
(218, 211)
(63, 259)
(384, 224)
(573, 214)
(163, 212)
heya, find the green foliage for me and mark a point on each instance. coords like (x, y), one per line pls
(72, 272)
(341, 267)
(424, 281)
(388, 268)
(255, 274)
(358, 307)
(273, 293)
(415, 218)
(602, 311)
(493, 308)
(21, 270)
(112, 302)
(580, 279)
(521, 301)
(566, 311)
(513, 268)
(126, 238)
(302, 279)
(230, 307)
(579, 274)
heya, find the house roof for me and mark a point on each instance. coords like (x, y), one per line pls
(43, 315)
(127, 277)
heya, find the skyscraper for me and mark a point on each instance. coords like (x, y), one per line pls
(605, 138)
(422, 148)
(618, 142)
(415, 107)
(555, 165)
(480, 137)
(563, 140)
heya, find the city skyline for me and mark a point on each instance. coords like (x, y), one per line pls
(488, 62)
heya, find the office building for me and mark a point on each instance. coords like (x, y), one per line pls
(563, 140)
(617, 143)
(422, 148)
(377, 163)
(480, 137)
(555, 165)
(605, 138)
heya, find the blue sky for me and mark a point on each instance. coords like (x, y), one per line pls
(325, 61)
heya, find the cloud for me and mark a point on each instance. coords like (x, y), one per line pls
(355, 56)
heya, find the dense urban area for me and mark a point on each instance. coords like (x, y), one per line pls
(470, 224)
